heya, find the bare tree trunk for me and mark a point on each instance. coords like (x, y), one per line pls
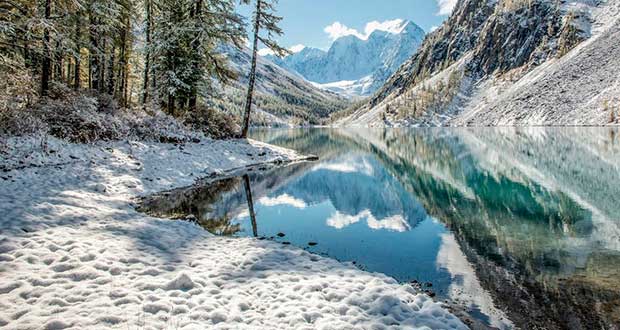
(193, 97)
(120, 75)
(248, 195)
(47, 57)
(57, 65)
(147, 61)
(248, 100)
(126, 100)
(94, 65)
(69, 69)
(101, 72)
(78, 44)
(110, 74)
(171, 100)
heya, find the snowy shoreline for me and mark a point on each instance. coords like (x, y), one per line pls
(74, 253)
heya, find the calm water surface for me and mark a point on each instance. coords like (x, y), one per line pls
(520, 227)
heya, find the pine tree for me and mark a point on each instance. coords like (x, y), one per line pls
(263, 19)
(184, 47)
(61, 40)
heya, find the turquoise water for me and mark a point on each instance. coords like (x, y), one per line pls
(519, 227)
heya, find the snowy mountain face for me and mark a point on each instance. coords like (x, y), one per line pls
(281, 97)
(356, 66)
(506, 62)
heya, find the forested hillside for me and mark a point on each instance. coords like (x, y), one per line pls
(282, 98)
(107, 69)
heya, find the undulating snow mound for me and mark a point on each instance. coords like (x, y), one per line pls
(75, 254)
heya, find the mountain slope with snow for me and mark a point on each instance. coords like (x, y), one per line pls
(362, 65)
(508, 63)
(281, 98)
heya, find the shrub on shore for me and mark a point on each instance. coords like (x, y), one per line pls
(87, 117)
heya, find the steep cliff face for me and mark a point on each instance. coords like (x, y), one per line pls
(446, 45)
(486, 50)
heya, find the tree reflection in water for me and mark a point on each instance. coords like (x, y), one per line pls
(248, 196)
(202, 204)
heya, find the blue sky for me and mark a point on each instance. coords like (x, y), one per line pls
(305, 21)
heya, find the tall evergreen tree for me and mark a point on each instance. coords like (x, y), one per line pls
(184, 44)
(184, 50)
(263, 19)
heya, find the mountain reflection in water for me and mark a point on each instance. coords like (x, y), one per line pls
(519, 226)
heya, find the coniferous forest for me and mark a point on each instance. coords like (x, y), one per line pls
(152, 59)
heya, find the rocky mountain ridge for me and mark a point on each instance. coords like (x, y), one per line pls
(508, 62)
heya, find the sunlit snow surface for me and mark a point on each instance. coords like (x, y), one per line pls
(74, 254)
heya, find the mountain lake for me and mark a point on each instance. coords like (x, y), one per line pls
(513, 227)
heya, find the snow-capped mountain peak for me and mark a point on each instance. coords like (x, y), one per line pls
(371, 57)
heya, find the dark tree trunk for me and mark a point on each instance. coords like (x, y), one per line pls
(248, 100)
(101, 72)
(126, 99)
(128, 94)
(47, 56)
(58, 64)
(193, 97)
(122, 76)
(94, 76)
(171, 100)
(147, 61)
(78, 46)
(68, 70)
(110, 75)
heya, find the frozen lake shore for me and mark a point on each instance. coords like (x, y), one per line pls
(75, 253)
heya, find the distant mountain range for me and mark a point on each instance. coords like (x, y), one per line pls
(356, 66)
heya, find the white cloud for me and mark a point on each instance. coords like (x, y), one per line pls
(337, 29)
(348, 166)
(265, 52)
(283, 199)
(445, 6)
(434, 27)
(393, 223)
(393, 26)
(297, 48)
(339, 220)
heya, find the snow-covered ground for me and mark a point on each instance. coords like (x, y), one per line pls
(75, 254)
